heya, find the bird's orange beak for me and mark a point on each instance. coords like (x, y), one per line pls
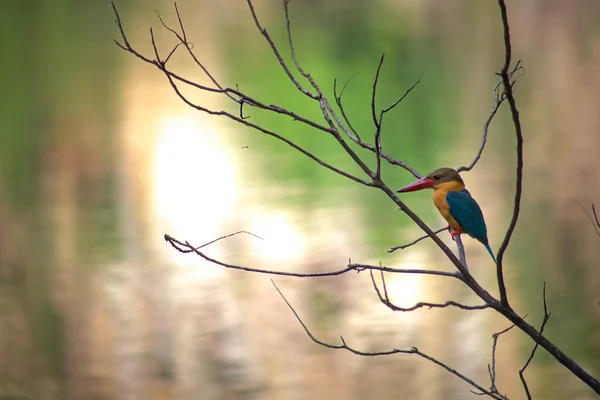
(423, 183)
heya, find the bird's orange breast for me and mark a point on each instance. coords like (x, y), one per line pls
(439, 199)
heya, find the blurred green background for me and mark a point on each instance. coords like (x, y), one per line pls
(99, 158)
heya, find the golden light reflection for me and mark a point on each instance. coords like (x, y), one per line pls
(406, 290)
(282, 241)
(195, 187)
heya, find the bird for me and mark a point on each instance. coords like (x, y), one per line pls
(455, 204)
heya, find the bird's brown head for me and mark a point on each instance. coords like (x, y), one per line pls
(434, 179)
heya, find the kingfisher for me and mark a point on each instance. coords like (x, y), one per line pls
(455, 203)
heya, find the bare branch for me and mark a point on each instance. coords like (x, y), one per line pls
(183, 250)
(374, 94)
(293, 51)
(355, 136)
(362, 267)
(492, 366)
(544, 322)
(498, 100)
(412, 350)
(338, 101)
(508, 91)
(326, 108)
(402, 97)
(594, 221)
(186, 247)
(275, 51)
(378, 120)
(386, 300)
(404, 246)
(257, 127)
(170, 76)
(486, 126)
(189, 47)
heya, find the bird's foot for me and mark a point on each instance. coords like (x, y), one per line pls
(453, 232)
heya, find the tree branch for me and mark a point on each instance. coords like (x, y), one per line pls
(386, 300)
(594, 221)
(185, 247)
(407, 245)
(544, 322)
(486, 126)
(275, 51)
(508, 92)
(377, 121)
(412, 350)
(492, 366)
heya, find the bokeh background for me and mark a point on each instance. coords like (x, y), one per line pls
(99, 159)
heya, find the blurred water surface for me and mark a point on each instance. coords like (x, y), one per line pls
(99, 159)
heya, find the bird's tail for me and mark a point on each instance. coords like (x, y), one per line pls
(489, 249)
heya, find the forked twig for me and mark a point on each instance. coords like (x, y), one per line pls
(412, 350)
(506, 76)
(492, 365)
(186, 247)
(385, 299)
(191, 250)
(594, 221)
(544, 322)
(407, 245)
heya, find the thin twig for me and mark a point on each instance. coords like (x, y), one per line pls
(404, 246)
(288, 29)
(594, 221)
(378, 120)
(268, 132)
(275, 51)
(399, 99)
(384, 298)
(412, 350)
(189, 47)
(214, 240)
(355, 136)
(498, 100)
(486, 126)
(374, 93)
(508, 91)
(234, 94)
(544, 322)
(338, 100)
(185, 247)
(362, 267)
(327, 111)
(492, 366)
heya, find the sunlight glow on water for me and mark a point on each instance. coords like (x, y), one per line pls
(406, 290)
(195, 180)
(281, 240)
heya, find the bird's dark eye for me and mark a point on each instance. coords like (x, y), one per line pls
(436, 177)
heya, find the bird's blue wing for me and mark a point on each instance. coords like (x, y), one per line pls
(467, 213)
